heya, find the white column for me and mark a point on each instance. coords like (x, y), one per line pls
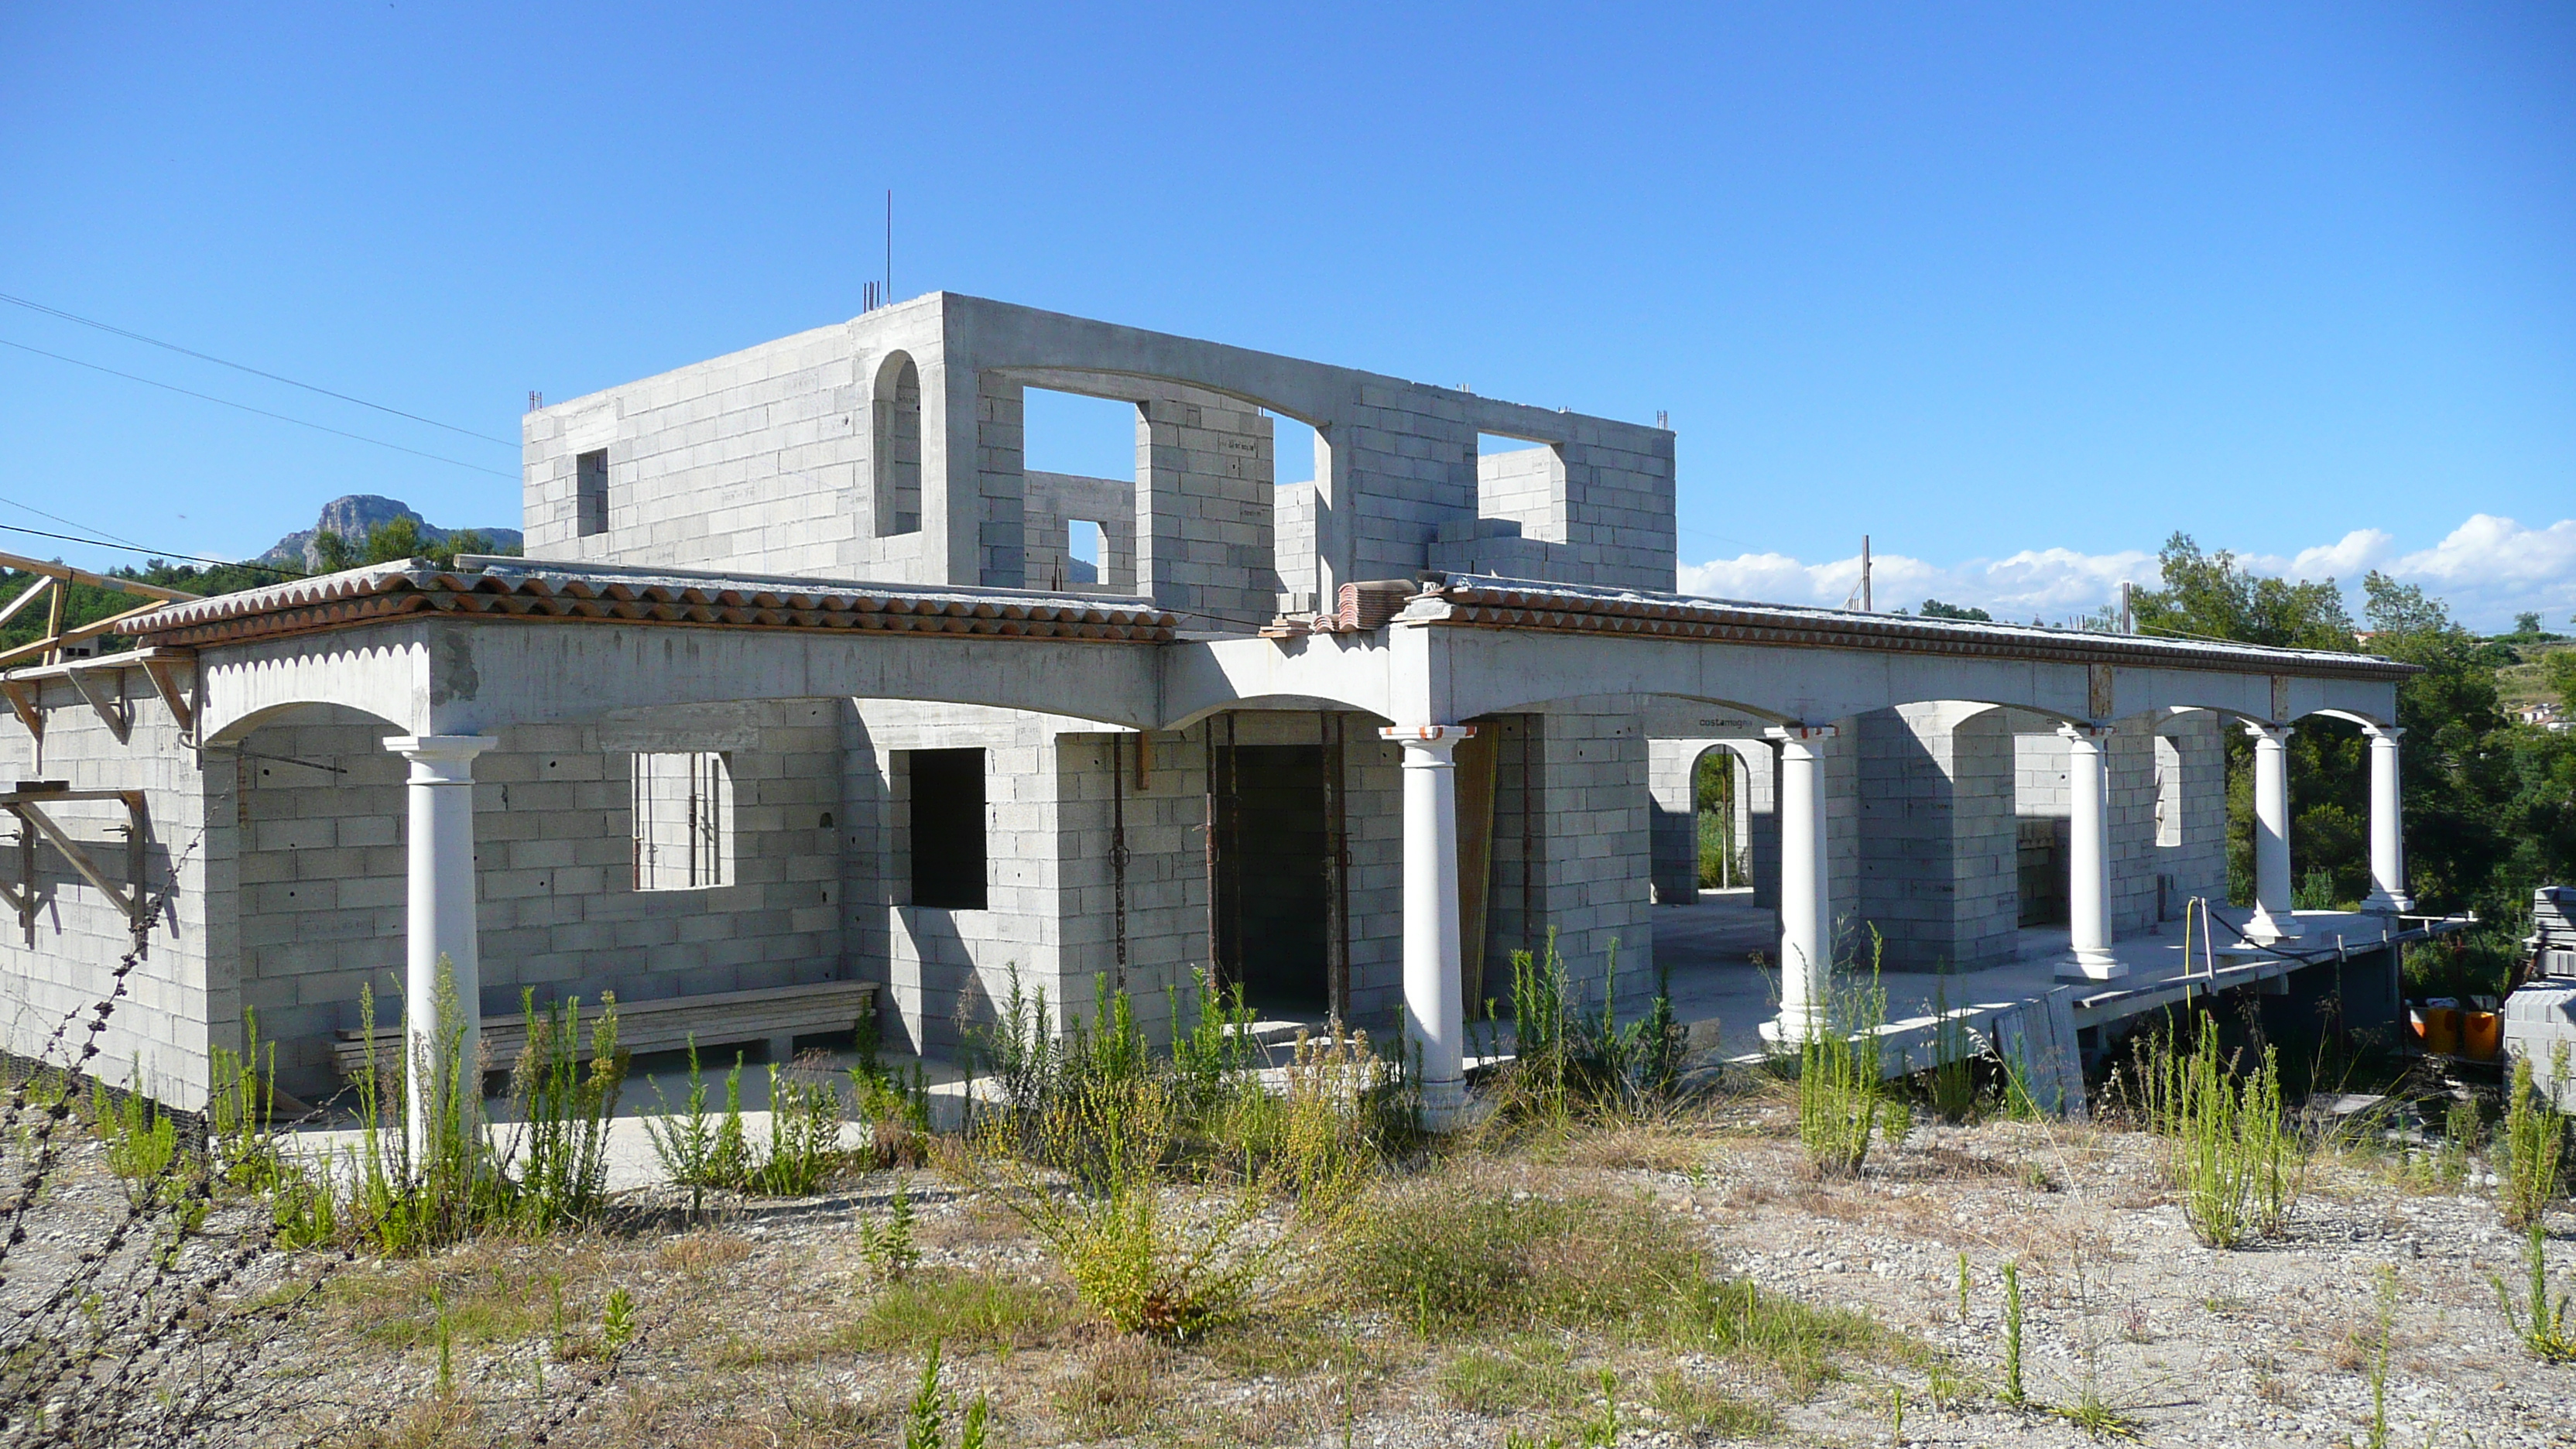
(2387, 827)
(441, 849)
(2088, 854)
(2272, 919)
(1806, 905)
(1434, 995)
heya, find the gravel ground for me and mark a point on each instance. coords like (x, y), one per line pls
(754, 1326)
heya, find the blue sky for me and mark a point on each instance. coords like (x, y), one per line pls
(2016, 290)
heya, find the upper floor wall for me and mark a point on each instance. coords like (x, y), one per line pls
(892, 447)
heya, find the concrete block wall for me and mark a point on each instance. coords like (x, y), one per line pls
(948, 971)
(1528, 487)
(1936, 835)
(1165, 811)
(1841, 762)
(758, 460)
(2039, 770)
(1580, 778)
(2192, 747)
(1201, 511)
(321, 868)
(1056, 499)
(1292, 532)
(767, 461)
(158, 1035)
(2131, 805)
(1984, 841)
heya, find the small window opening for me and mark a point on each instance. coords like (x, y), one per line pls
(1082, 547)
(590, 493)
(683, 812)
(948, 829)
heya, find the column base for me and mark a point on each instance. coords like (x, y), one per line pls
(1792, 1029)
(2266, 929)
(2092, 966)
(1446, 1107)
(2380, 903)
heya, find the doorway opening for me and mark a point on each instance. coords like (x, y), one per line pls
(1272, 900)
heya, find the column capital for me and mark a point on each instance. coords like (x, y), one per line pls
(2071, 730)
(2390, 733)
(2264, 729)
(1428, 744)
(440, 759)
(1800, 732)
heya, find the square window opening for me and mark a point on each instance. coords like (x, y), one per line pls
(683, 814)
(948, 827)
(590, 493)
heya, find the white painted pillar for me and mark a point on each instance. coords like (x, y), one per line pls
(2387, 826)
(441, 849)
(1434, 994)
(1806, 905)
(2088, 854)
(2272, 919)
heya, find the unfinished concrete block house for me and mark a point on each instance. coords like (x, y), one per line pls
(803, 687)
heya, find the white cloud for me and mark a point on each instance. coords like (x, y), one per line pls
(2487, 570)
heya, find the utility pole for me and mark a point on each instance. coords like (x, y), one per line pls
(1864, 575)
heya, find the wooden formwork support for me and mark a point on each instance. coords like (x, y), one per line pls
(54, 583)
(33, 821)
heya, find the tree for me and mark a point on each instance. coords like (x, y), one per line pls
(2211, 596)
(394, 542)
(1935, 609)
(2526, 626)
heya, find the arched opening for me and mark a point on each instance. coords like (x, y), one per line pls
(897, 410)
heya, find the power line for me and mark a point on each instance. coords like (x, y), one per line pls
(263, 412)
(150, 553)
(68, 522)
(244, 367)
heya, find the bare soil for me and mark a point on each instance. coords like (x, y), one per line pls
(761, 1323)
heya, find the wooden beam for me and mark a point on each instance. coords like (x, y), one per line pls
(164, 675)
(118, 716)
(69, 575)
(129, 903)
(52, 644)
(26, 700)
(43, 585)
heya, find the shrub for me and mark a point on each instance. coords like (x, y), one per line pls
(1841, 1085)
(1174, 1162)
(2238, 1160)
(700, 1149)
(394, 1197)
(1148, 1259)
(2535, 1144)
(565, 1109)
(1569, 1059)
(2542, 1329)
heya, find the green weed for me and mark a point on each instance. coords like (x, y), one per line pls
(2543, 1330)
